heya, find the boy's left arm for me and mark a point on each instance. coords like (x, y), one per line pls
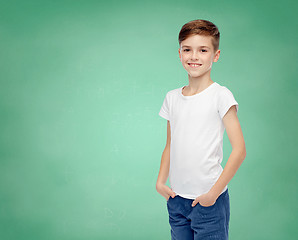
(238, 154)
(236, 158)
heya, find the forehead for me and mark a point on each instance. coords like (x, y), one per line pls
(197, 41)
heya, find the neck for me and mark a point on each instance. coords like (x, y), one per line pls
(197, 84)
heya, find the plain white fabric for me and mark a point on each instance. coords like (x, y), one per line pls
(197, 130)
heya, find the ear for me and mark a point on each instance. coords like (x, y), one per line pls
(179, 53)
(216, 56)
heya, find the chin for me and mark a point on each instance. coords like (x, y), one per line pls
(195, 75)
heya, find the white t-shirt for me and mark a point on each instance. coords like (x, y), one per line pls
(197, 130)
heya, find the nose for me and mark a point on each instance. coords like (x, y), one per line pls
(194, 55)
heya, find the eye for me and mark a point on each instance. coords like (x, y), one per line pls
(186, 50)
(204, 50)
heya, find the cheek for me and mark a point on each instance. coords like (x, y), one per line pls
(184, 57)
(208, 58)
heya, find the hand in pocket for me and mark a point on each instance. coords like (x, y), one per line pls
(165, 191)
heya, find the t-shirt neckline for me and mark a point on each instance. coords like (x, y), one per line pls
(197, 94)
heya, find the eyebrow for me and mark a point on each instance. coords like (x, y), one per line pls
(190, 46)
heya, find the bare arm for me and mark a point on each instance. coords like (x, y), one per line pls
(165, 159)
(161, 186)
(237, 155)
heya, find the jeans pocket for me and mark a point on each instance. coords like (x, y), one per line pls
(207, 207)
(227, 205)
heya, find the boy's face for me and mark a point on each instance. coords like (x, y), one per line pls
(198, 49)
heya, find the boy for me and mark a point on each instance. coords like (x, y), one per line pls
(197, 115)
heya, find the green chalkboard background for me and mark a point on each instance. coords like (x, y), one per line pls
(82, 83)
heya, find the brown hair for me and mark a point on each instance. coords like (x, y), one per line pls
(200, 27)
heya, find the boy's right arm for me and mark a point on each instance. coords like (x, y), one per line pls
(161, 186)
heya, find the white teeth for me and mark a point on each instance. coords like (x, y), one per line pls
(194, 65)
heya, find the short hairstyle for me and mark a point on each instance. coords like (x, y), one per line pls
(200, 27)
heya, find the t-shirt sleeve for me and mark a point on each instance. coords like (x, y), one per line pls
(164, 110)
(225, 101)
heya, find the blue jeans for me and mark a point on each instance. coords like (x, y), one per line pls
(199, 222)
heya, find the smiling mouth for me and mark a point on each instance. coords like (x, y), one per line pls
(194, 65)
